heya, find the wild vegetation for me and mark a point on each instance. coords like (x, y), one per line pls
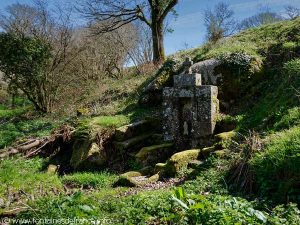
(252, 178)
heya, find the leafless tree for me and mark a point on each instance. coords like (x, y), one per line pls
(219, 22)
(261, 18)
(56, 30)
(292, 12)
(115, 14)
(142, 53)
(107, 54)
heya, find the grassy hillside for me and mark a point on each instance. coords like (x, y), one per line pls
(257, 182)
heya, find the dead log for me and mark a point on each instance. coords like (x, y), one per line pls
(9, 152)
(27, 147)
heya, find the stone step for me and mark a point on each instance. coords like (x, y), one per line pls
(178, 161)
(141, 127)
(151, 155)
(134, 143)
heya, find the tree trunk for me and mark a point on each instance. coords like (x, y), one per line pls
(158, 43)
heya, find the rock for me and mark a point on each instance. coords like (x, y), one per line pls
(134, 179)
(129, 131)
(52, 169)
(153, 178)
(159, 167)
(2, 203)
(126, 179)
(207, 69)
(89, 156)
(222, 153)
(194, 164)
(225, 123)
(83, 112)
(180, 160)
(225, 136)
(205, 152)
(135, 142)
(223, 140)
(153, 154)
(89, 149)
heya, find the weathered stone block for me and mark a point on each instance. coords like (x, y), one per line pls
(189, 109)
(154, 154)
(187, 80)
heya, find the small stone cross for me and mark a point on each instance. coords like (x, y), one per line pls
(187, 65)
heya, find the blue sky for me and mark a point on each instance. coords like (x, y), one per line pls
(188, 27)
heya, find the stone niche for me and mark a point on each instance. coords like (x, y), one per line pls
(189, 109)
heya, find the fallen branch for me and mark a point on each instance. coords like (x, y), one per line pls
(13, 212)
(36, 151)
(29, 146)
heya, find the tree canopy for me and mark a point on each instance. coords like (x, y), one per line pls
(115, 14)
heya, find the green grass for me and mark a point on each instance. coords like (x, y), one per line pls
(206, 178)
(277, 168)
(278, 105)
(161, 207)
(110, 121)
(255, 41)
(6, 113)
(90, 180)
(22, 128)
(18, 174)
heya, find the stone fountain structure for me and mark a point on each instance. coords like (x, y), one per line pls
(190, 109)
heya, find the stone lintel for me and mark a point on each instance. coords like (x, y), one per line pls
(206, 90)
(187, 80)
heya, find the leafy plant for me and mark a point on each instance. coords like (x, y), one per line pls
(23, 61)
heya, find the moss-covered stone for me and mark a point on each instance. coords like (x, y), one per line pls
(129, 131)
(154, 178)
(194, 164)
(226, 135)
(159, 167)
(88, 150)
(152, 94)
(225, 123)
(88, 156)
(52, 169)
(180, 161)
(205, 152)
(134, 142)
(127, 179)
(223, 140)
(154, 154)
(222, 153)
(134, 179)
